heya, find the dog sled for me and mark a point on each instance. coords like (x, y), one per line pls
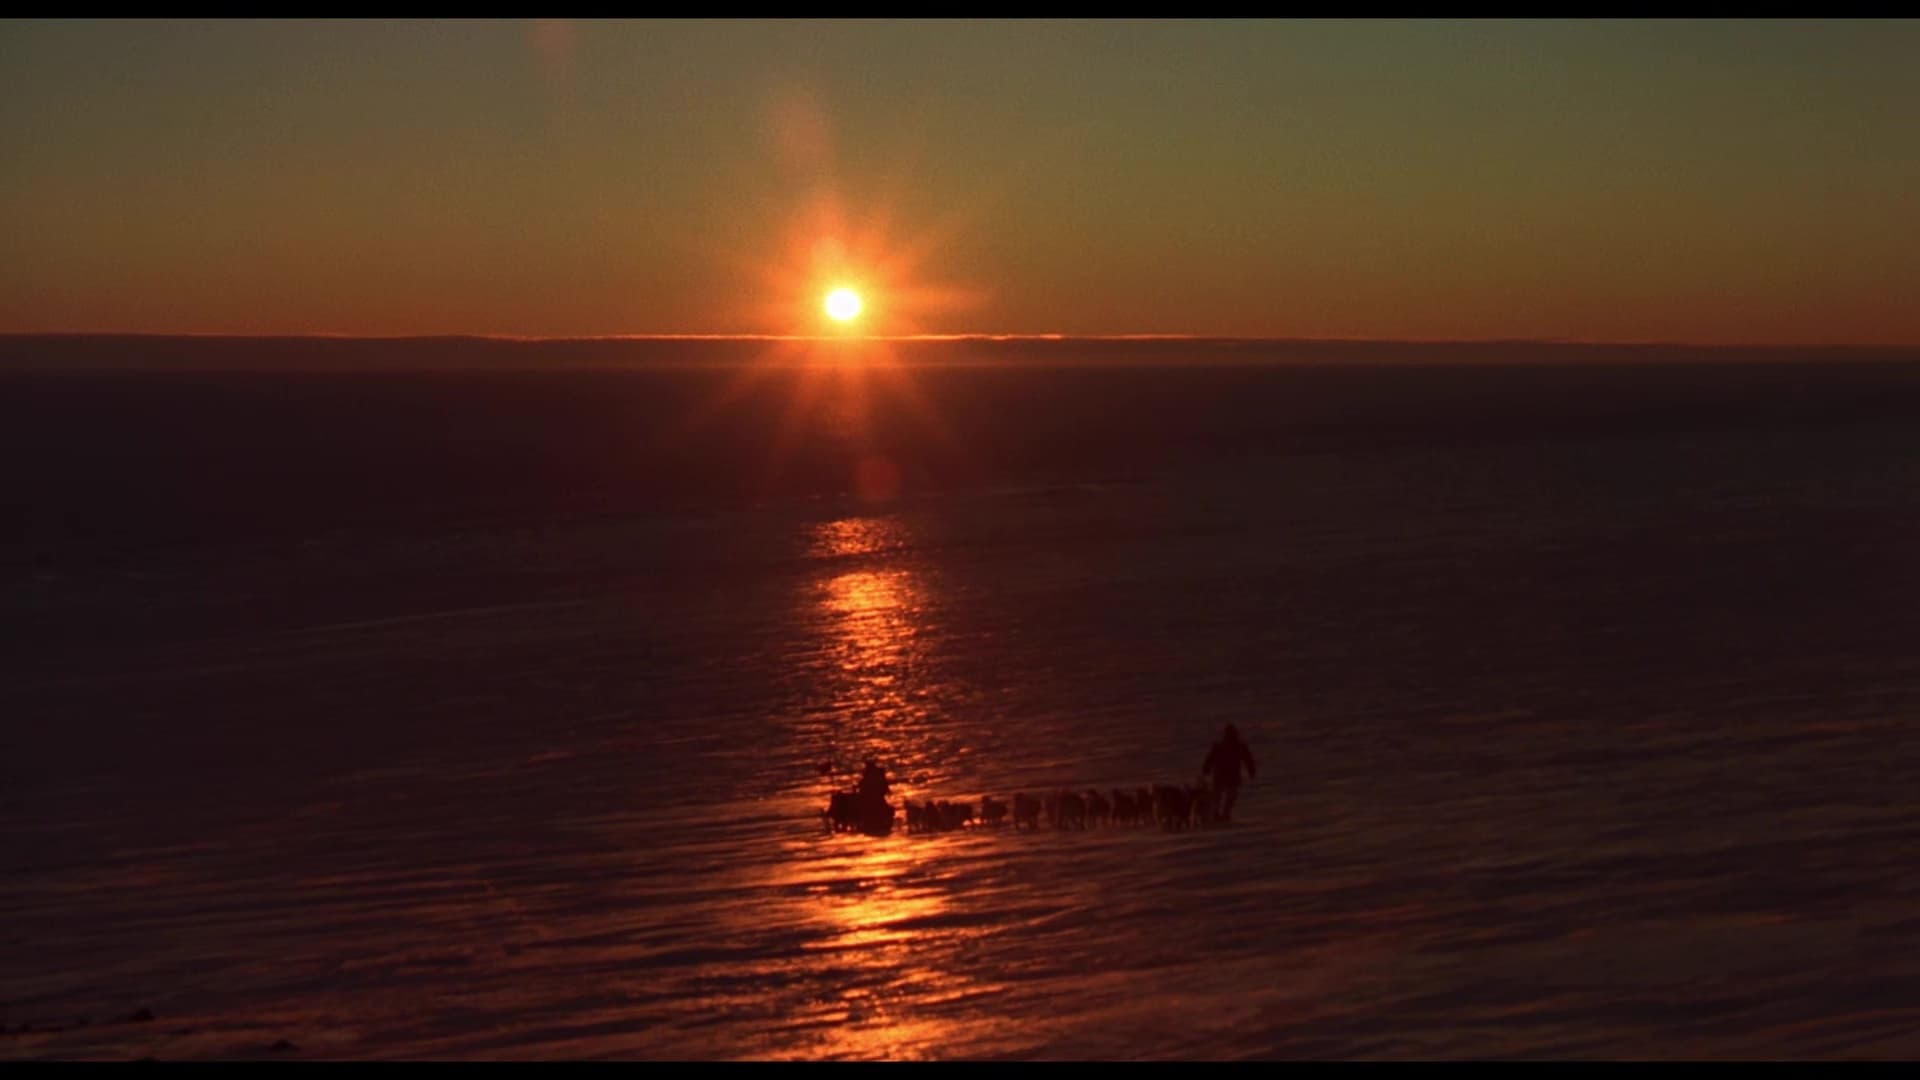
(849, 811)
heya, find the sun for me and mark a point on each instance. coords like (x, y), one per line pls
(843, 305)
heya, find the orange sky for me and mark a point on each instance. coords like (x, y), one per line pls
(1722, 182)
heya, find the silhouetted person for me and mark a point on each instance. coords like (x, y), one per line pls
(1223, 764)
(873, 782)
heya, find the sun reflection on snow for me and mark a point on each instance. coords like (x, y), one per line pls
(874, 617)
(858, 536)
(887, 921)
(890, 930)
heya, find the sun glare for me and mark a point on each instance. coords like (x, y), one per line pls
(843, 305)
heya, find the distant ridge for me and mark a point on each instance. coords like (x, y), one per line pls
(230, 352)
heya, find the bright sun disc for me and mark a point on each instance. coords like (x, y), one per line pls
(843, 304)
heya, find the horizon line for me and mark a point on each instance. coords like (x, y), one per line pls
(845, 339)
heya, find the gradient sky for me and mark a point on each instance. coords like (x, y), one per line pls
(1711, 182)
